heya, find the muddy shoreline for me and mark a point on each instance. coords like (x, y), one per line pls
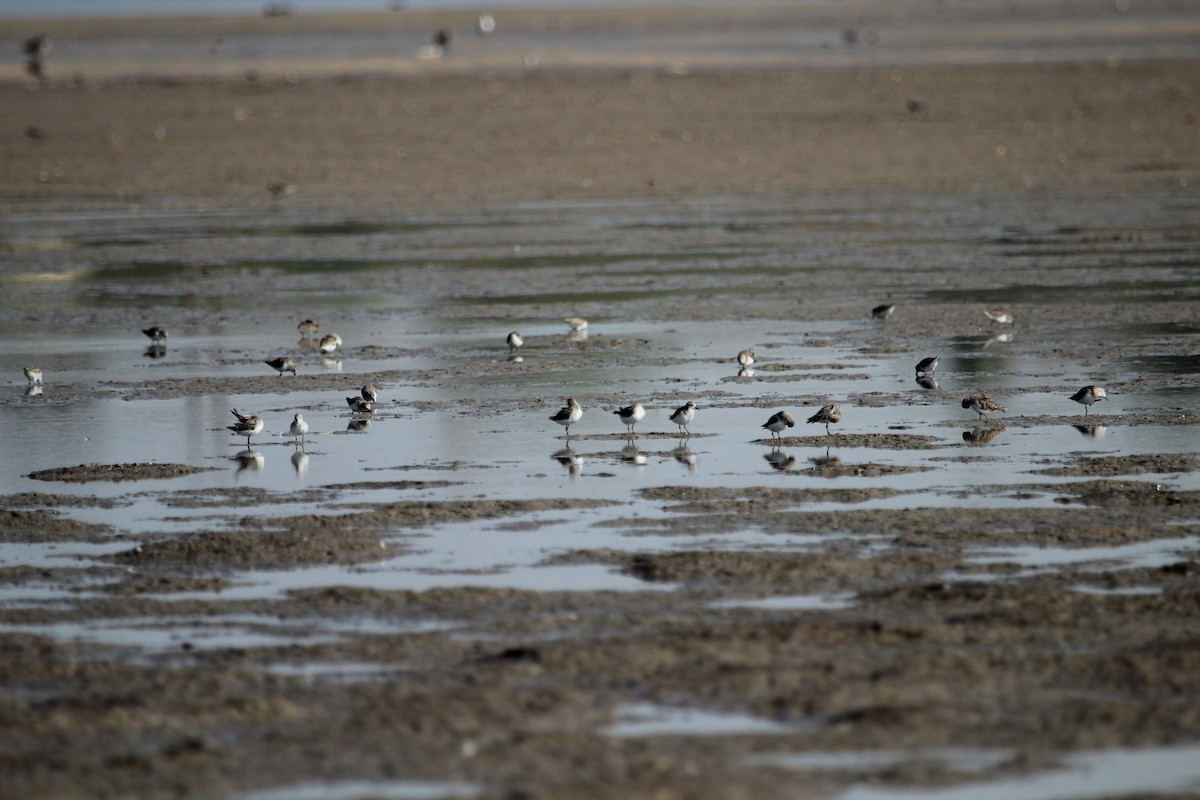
(838, 617)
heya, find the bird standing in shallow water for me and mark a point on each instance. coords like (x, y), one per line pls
(883, 312)
(157, 335)
(683, 415)
(778, 422)
(370, 393)
(998, 316)
(981, 404)
(33, 374)
(927, 365)
(631, 415)
(1088, 395)
(515, 340)
(308, 327)
(299, 426)
(827, 414)
(282, 364)
(329, 343)
(246, 426)
(360, 406)
(745, 358)
(568, 415)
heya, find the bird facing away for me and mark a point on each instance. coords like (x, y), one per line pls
(370, 393)
(282, 364)
(683, 415)
(308, 327)
(157, 335)
(745, 358)
(360, 406)
(778, 422)
(828, 413)
(33, 374)
(246, 426)
(1088, 395)
(883, 312)
(568, 415)
(631, 415)
(981, 404)
(299, 426)
(515, 340)
(927, 365)
(998, 316)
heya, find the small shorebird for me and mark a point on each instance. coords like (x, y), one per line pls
(330, 342)
(683, 415)
(631, 415)
(282, 364)
(308, 328)
(927, 365)
(778, 422)
(246, 426)
(369, 392)
(299, 426)
(1002, 317)
(745, 358)
(828, 413)
(157, 335)
(577, 323)
(514, 342)
(360, 406)
(568, 415)
(33, 374)
(883, 312)
(981, 404)
(1088, 395)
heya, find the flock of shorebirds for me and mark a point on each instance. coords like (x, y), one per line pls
(630, 415)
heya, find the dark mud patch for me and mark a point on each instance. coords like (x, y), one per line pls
(693, 500)
(239, 497)
(87, 473)
(45, 525)
(274, 550)
(1127, 494)
(834, 467)
(400, 486)
(1104, 466)
(43, 500)
(877, 441)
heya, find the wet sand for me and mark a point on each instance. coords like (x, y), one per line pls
(512, 692)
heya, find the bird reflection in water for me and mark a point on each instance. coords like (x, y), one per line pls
(982, 435)
(251, 460)
(1001, 338)
(358, 425)
(928, 382)
(1092, 431)
(780, 460)
(33, 390)
(300, 462)
(155, 351)
(569, 459)
(684, 455)
(630, 454)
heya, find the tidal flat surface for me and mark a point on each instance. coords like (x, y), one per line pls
(457, 525)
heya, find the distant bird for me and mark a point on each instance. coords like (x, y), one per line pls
(745, 358)
(36, 49)
(631, 415)
(1088, 395)
(514, 342)
(246, 426)
(281, 365)
(981, 404)
(568, 415)
(299, 426)
(576, 323)
(360, 406)
(927, 365)
(308, 328)
(883, 312)
(442, 37)
(370, 393)
(683, 416)
(330, 342)
(485, 24)
(778, 422)
(157, 335)
(828, 413)
(33, 374)
(1002, 317)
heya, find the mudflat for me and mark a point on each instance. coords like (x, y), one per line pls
(926, 667)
